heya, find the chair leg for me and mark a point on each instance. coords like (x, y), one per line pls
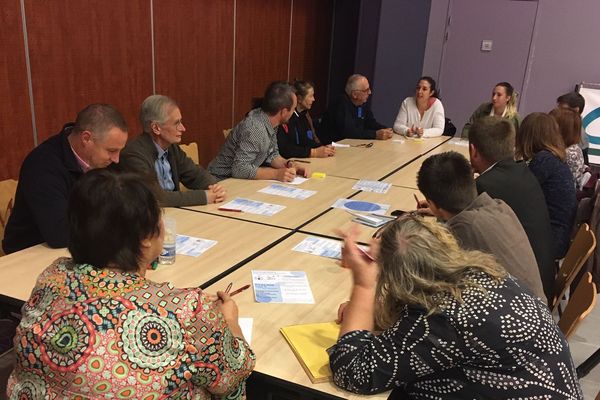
(588, 365)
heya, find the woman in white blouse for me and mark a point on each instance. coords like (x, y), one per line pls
(423, 114)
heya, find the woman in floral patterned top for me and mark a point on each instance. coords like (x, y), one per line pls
(94, 327)
(455, 324)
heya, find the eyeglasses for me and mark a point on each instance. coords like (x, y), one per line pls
(367, 145)
(367, 90)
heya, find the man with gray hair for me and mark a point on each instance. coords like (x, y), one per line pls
(250, 150)
(50, 170)
(349, 117)
(156, 154)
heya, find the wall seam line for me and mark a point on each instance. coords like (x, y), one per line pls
(152, 44)
(233, 64)
(28, 67)
(290, 39)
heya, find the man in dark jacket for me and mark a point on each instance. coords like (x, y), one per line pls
(491, 150)
(350, 117)
(50, 171)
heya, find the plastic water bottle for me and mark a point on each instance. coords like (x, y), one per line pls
(167, 256)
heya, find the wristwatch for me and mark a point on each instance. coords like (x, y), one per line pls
(289, 164)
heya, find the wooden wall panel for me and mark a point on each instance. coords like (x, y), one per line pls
(16, 131)
(86, 52)
(261, 50)
(194, 66)
(311, 42)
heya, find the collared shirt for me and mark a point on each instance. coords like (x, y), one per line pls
(85, 167)
(251, 144)
(163, 169)
(489, 168)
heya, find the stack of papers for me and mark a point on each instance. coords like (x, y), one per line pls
(372, 220)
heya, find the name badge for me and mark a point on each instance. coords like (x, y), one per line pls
(310, 135)
(359, 112)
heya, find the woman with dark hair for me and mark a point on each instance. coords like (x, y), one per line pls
(423, 114)
(503, 104)
(95, 327)
(297, 138)
(454, 324)
(540, 144)
(569, 125)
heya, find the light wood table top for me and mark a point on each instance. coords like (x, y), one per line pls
(21, 269)
(296, 212)
(374, 162)
(330, 285)
(407, 176)
(336, 220)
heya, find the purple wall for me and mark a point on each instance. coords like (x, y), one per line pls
(399, 55)
(565, 51)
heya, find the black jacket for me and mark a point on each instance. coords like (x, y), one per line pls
(46, 179)
(344, 120)
(514, 183)
(297, 137)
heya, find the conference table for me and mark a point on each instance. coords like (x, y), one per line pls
(407, 176)
(248, 241)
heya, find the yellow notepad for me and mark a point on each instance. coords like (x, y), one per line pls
(309, 343)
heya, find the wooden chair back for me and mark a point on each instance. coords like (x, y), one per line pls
(582, 247)
(579, 306)
(191, 150)
(8, 189)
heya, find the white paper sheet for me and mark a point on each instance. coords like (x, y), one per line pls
(361, 206)
(282, 287)
(286, 191)
(372, 186)
(253, 206)
(246, 326)
(334, 144)
(320, 247)
(193, 246)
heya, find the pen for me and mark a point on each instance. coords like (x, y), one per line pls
(417, 200)
(365, 253)
(240, 290)
(302, 161)
(229, 209)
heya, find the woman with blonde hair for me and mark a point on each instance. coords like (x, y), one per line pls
(503, 104)
(455, 324)
(540, 144)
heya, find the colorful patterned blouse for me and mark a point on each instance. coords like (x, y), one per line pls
(499, 343)
(89, 333)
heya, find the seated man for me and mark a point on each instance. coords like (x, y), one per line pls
(478, 221)
(156, 153)
(250, 150)
(350, 117)
(50, 170)
(491, 150)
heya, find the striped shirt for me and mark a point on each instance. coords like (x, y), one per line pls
(251, 144)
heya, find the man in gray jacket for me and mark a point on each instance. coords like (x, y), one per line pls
(156, 153)
(477, 221)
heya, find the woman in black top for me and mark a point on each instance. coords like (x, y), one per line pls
(297, 138)
(434, 321)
